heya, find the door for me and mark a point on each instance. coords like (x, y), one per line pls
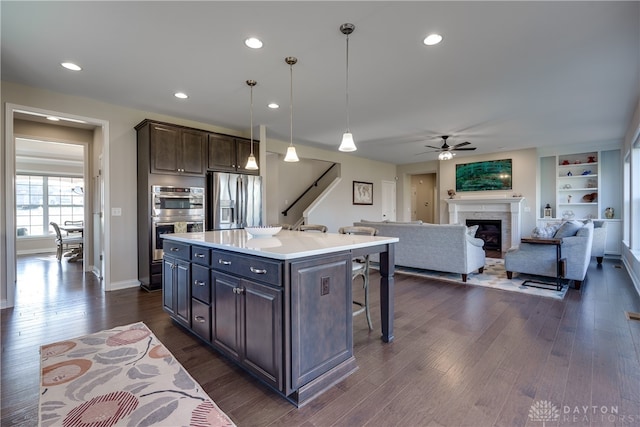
(389, 200)
(226, 313)
(224, 200)
(250, 201)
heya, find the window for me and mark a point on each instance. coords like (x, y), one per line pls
(44, 199)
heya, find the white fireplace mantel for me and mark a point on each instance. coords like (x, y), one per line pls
(470, 207)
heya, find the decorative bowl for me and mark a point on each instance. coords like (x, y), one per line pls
(262, 231)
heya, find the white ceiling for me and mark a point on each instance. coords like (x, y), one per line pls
(507, 75)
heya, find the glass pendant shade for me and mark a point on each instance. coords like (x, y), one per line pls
(347, 143)
(445, 155)
(291, 156)
(252, 165)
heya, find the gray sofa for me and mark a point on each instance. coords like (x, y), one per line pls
(439, 247)
(532, 258)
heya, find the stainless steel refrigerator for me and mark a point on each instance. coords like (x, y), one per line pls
(233, 201)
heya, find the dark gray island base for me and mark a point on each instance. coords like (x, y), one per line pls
(279, 307)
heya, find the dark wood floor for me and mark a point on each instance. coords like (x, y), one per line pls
(463, 355)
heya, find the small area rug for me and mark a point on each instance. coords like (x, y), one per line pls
(120, 377)
(495, 277)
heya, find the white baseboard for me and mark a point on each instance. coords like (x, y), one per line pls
(125, 284)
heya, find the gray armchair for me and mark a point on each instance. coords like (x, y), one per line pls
(531, 258)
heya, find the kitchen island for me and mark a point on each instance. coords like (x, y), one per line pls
(280, 307)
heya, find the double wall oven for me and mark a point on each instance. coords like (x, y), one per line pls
(175, 210)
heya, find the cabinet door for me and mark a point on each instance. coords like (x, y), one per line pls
(222, 153)
(168, 284)
(243, 150)
(164, 149)
(194, 145)
(261, 332)
(182, 291)
(226, 313)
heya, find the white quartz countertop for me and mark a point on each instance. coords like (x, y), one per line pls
(284, 245)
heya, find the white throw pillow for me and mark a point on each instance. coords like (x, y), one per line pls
(471, 231)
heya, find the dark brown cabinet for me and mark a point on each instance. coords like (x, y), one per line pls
(289, 323)
(176, 150)
(230, 154)
(176, 274)
(247, 325)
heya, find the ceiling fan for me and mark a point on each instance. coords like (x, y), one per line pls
(446, 149)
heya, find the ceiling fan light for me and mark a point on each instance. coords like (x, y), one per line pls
(291, 156)
(445, 155)
(347, 143)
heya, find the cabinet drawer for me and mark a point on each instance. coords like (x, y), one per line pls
(200, 283)
(200, 255)
(201, 319)
(177, 249)
(250, 267)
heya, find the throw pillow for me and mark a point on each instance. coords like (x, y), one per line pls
(545, 232)
(471, 231)
(568, 228)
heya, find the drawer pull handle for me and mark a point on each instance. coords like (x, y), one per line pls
(200, 319)
(198, 282)
(199, 255)
(258, 270)
(223, 262)
(173, 249)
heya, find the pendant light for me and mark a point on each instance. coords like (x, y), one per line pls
(251, 161)
(291, 156)
(347, 143)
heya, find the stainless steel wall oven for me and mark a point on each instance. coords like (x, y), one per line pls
(175, 210)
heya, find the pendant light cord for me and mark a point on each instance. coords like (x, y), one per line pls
(251, 115)
(347, 84)
(291, 105)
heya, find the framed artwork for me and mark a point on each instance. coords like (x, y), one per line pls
(362, 193)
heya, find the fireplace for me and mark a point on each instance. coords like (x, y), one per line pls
(489, 230)
(505, 209)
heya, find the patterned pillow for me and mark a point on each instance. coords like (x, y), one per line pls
(545, 232)
(471, 231)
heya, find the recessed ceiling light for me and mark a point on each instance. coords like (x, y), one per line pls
(273, 105)
(432, 39)
(71, 66)
(253, 43)
(181, 95)
(53, 119)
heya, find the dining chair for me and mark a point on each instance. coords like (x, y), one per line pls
(66, 242)
(284, 226)
(360, 268)
(313, 227)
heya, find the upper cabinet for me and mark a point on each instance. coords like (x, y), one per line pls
(227, 153)
(164, 148)
(172, 149)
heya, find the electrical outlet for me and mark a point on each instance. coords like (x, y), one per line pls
(116, 211)
(325, 286)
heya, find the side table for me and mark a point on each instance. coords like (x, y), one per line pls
(560, 262)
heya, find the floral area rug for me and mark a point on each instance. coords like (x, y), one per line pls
(494, 276)
(120, 377)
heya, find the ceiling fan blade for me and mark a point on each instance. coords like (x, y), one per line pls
(465, 149)
(462, 144)
(431, 146)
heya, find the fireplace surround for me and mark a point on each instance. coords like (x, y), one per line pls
(505, 209)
